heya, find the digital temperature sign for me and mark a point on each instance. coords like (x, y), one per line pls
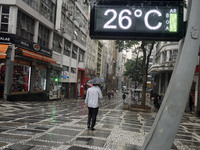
(137, 22)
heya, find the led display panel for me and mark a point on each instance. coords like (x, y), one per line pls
(139, 22)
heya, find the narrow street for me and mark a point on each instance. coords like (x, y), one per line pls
(60, 125)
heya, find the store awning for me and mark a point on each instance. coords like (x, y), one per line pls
(3, 50)
(37, 56)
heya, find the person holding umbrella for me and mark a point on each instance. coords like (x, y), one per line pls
(92, 102)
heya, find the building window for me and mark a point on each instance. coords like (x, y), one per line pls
(65, 71)
(67, 48)
(82, 38)
(81, 55)
(4, 14)
(65, 68)
(43, 38)
(173, 55)
(48, 9)
(73, 70)
(25, 26)
(33, 3)
(164, 56)
(57, 43)
(74, 52)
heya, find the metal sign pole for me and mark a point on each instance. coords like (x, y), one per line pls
(168, 119)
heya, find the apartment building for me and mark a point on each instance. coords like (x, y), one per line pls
(164, 57)
(42, 48)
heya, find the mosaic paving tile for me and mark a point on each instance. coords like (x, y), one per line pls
(61, 125)
(186, 138)
(55, 138)
(78, 127)
(78, 148)
(106, 126)
(39, 148)
(89, 142)
(8, 137)
(97, 133)
(122, 146)
(66, 132)
(25, 131)
(19, 147)
(43, 143)
(2, 144)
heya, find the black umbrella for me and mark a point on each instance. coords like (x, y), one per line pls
(96, 81)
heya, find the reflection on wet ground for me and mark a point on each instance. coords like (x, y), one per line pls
(61, 125)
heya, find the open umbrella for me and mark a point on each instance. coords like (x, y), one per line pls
(96, 81)
(89, 84)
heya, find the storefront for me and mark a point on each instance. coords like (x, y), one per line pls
(30, 66)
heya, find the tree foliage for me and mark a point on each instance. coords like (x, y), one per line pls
(125, 44)
(146, 47)
(134, 70)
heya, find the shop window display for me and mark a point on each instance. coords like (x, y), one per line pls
(21, 78)
(40, 79)
(54, 85)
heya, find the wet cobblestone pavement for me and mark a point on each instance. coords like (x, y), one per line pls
(61, 125)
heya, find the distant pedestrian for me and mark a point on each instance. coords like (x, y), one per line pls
(157, 101)
(191, 103)
(92, 102)
(124, 97)
(109, 95)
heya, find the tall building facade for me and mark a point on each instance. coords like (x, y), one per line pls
(164, 57)
(42, 48)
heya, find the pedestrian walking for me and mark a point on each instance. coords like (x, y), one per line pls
(92, 102)
(191, 103)
(124, 97)
(109, 95)
(157, 101)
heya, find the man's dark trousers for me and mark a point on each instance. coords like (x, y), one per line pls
(92, 114)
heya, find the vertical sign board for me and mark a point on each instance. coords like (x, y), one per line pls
(139, 20)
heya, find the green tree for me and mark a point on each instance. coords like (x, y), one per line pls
(134, 71)
(125, 44)
(146, 47)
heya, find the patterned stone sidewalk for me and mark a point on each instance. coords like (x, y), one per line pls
(61, 125)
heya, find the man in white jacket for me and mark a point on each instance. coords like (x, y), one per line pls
(92, 102)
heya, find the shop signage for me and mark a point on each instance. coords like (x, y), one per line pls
(161, 20)
(31, 46)
(6, 38)
(23, 43)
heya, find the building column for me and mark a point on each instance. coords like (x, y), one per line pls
(51, 40)
(36, 31)
(159, 83)
(32, 78)
(166, 81)
(9, 71)
(48, 74)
